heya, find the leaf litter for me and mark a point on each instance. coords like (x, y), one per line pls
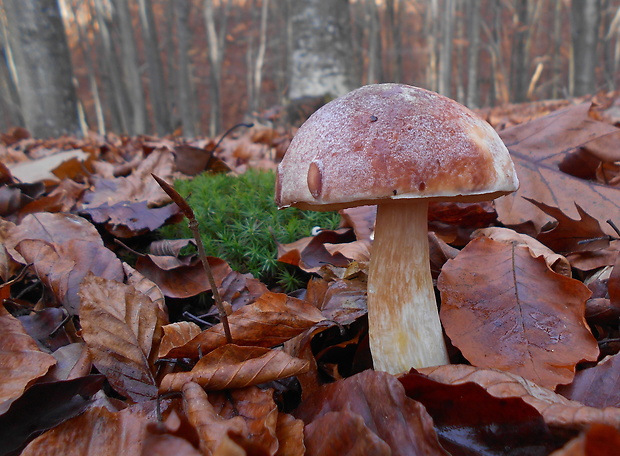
(138, 362)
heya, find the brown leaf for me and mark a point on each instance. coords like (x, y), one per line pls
(290, 433)
(309, 253)
(96, 432)
(556, 262)
(341, 301)
(537, 148)
(232, 366)
(177, 335)
(62, 267)
(215, 432)
(380, 400)
(343, 433)
(613, 284)
(597, 440)
(53, 228)
(596, 386)
(271, 320)
(557, 411)
(504, 308)
(572, 235)
(21, 360)
(118, 324)
(361, 219)
(464, 413)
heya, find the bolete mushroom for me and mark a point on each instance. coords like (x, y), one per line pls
(398, 147)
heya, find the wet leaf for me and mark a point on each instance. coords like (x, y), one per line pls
(232, 366)
(380, 400)
(505, 309)
(271, 320)
(21, 361)
(596, 386)
(118, 324)
(598, 440)
(469, 421)
(558, 412)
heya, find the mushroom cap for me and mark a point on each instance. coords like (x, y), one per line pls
(393, 141)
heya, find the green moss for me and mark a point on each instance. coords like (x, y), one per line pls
(240, 223)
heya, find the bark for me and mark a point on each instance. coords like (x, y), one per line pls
(157, 81)
(394, 13)
(585, 19)
(519, 61)
(10, 109)
(185, 87)
(473, 51)
(432, 34)
(322, 60)
(43, 65)
(375, 71)
(130, 67)
(257, 67)
(556, 63)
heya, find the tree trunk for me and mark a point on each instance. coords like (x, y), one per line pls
(131, 72)
(585, 18)
(157, 81)
(9, 98)
(322, 56)
(374, 73)
(431, 27)
(519, 58)
(43, 64)
(394, 13)
(185, 86)
(473, 51)
(445, 52)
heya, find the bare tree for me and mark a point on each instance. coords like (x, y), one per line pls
(473, 51)
(519, 58)
(585, 20)
(374, 72)
(9, 98)
(445, 52)
(43, 66)
(157, 82)
(255, 66)
(394, 15)
(322, 49)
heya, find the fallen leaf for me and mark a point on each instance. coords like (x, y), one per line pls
(52, 404)
(505, 309)
(21, 360)
(341, 301)
(380, 400)
(596, 386)
(290, 433)
(72, 361)
(558, 412)
(309, 253)
(537, 148)
(570, 235)
(53, 228)
(469, 420)
(215, 432)
(177, 335)
(271, 320)
(232, 366)
(597, 440)
(343, 433)
(43, 168)
(556, 262)
(46, 328)
(118, 324)
(62, 267)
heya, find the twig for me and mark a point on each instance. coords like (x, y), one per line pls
(193, 225)
(613, 226)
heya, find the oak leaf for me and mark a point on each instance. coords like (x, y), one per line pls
(21, 360)
(505, 309)
(233, 366)
(118, 324)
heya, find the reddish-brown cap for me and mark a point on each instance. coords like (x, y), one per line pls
(392, 141)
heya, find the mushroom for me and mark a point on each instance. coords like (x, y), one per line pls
(398, 147)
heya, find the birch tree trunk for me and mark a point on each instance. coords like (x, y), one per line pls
(322, 49)
(157, 81)
(43, 66)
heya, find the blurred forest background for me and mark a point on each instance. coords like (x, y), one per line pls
(196, 67)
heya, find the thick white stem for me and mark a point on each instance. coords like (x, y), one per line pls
(404, 326)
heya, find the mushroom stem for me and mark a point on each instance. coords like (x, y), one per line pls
(404, 326)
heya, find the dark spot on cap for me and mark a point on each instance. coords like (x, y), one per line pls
(422, 186)
(373, 118)
(394, 192)
(315, 180)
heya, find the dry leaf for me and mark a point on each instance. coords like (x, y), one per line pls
(21, 361)
(556, 262)
(271, 320)
(232, 366)
(597, 440)
(557, 411)
(177, 335)
(290, 433)
(118, 324)
(596, 386)
(505, 309)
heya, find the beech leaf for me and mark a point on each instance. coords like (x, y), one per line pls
(21, 361)
(596, 386)
(118, 324)
(505, 309)
(233, 366)
(271, 320)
